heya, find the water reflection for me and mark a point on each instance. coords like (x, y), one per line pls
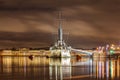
(41, 68)
(18, 68)
(107, 69)
(59, 68)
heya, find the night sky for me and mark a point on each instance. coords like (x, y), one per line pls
(34, 23)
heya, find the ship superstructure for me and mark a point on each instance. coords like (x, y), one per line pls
(60, 49)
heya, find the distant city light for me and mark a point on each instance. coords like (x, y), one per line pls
(111, 51)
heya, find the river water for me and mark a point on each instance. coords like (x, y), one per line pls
(42, 68)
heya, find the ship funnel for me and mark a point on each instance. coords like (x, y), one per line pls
(60, 33)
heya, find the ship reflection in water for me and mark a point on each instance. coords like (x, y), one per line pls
(41, 68)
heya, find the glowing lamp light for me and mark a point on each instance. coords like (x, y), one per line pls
(111, 51)
(118, 48)
(112, 45)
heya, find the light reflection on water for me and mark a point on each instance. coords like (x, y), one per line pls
(41, 68)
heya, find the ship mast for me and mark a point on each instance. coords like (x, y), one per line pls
(60, 49)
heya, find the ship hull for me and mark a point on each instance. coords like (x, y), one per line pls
(60, 54)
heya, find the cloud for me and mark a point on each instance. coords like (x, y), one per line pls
(25, 39)
(34, 22)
